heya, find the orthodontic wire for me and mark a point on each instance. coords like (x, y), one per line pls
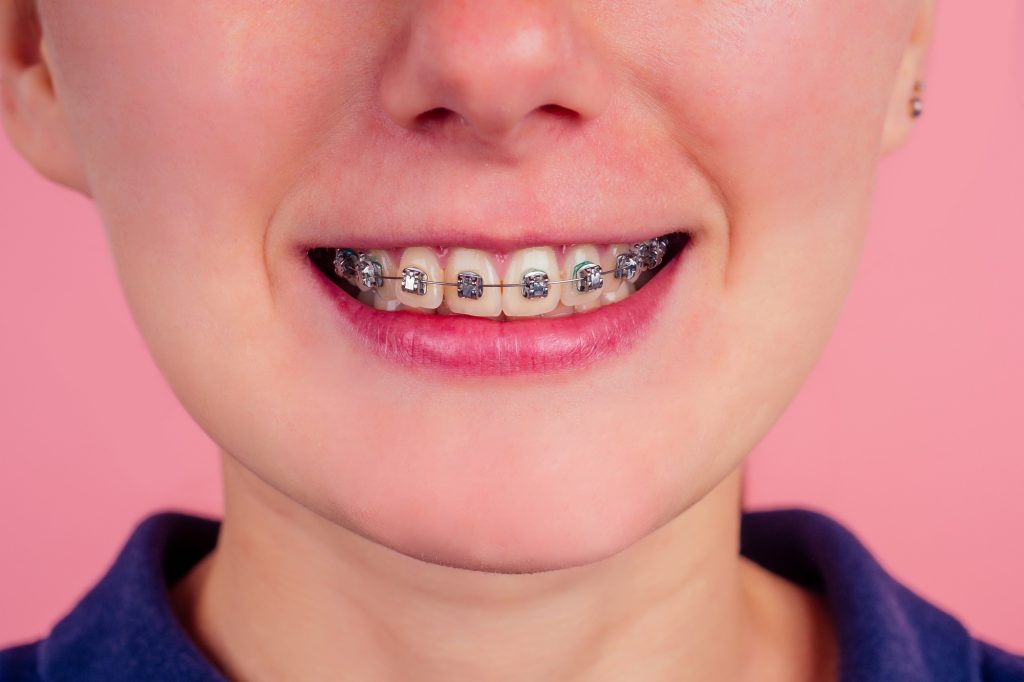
(640, 253)
(455, 284)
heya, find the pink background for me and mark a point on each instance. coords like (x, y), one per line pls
(909, 431)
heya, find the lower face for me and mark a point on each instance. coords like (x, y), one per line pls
(243, 146)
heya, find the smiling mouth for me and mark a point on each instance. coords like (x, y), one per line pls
(540, 309)
(539, 281)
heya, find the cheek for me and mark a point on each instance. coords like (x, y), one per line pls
(781, 95)
(203, 108)
(782, 105)
(196, 120)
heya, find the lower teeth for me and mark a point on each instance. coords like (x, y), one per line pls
(365, 277)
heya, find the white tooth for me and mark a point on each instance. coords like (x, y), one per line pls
(608, 256)
(619, 294)
(562, 310)
(443, 309)
(389, 290)
(593, 305)
(542, 258)
(381, 304)
(414, 309)
(472, 260)
(366, 297)
(425, 259)
(574, 255)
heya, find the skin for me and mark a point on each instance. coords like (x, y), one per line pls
(473, 537)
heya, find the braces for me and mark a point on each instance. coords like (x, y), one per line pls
(368, 274)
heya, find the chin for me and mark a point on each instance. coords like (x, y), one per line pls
(507, 515)
(518, 529)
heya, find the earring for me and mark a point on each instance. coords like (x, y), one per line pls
(916, 103)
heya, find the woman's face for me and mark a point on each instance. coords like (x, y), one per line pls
(221, 140)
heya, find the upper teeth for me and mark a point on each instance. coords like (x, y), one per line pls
(536, 284)
(470, 285)
(414, 281)
(370, 273)
(627, 266)
(588, 276)
(533, 284)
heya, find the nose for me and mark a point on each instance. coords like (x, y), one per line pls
(494, 71)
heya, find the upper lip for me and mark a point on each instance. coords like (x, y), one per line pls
(604, 185)
(496, 242)
(472, 228)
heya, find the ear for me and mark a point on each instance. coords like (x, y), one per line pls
(30, 109)
(899, 120)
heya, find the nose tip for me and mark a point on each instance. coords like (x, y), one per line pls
(491, 70)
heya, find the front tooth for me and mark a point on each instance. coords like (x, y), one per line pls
(608, 258)
(622, 292)
(383, 304)
(424, 259)
(575, 255)
(472, 261)
(417, 309)
(540, 259)
(562, 310)
(593, 305)
(389, 289)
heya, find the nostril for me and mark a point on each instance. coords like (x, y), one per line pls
(440, 115)
(559, 111)
(434, 116)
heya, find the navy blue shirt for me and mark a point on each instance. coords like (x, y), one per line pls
(124, 627)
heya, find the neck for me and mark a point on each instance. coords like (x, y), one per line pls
(288, 594)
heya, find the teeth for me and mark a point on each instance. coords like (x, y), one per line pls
(619, 294)
(345, 263)
(575, 256)
(461, 265)
(533, 284)
(383, 304)
(533, 270)
(388, 289)
(627, 267)
(562, 310)
(591, 306)
(369, 273)
(649, 253)
(609, 259)
(609, 255)
(415, 309)
(418, 264)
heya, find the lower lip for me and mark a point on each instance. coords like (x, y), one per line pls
(466, 345)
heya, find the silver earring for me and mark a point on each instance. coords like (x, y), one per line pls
(916, 102)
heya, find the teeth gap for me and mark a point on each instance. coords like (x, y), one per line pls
(323, 259)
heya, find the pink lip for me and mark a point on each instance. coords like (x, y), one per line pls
(467, 345)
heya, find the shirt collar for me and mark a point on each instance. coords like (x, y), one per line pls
(885, 631)
(124, 628)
